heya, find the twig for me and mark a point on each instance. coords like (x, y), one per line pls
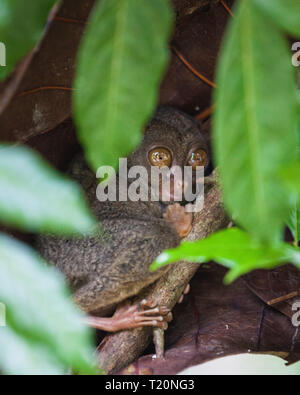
(283, 298)
(45, 88)
(69, 20)
(227, 8)
(192, 69)
(205, 114)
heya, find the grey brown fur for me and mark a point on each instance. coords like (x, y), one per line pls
(110, 267)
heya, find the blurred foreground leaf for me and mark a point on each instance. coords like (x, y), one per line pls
(284, 13)
(256, 122)
(120, 66)
(234, 249)
(293, 222)
(291, 177)
(21, 26)
(44, 333)
(35, 197)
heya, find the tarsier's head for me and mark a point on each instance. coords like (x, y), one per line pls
(172, 140)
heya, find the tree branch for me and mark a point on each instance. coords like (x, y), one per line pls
(120, 349)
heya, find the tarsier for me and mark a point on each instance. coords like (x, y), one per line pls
(106, 270)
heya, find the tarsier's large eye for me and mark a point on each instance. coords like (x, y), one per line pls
(198, 158)
(160, 157)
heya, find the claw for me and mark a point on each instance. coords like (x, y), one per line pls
(169, 317)
(148, 303)
(187, 289)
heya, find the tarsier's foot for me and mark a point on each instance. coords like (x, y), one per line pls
(133, 316)
(179, 218)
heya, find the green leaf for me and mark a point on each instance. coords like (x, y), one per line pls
(21, 26)
(44, 332)
(291, 177)
(22, 356)
(35, 197)
(234, 249)
(284, 13)
(255, 123)
(120, 65)
(293, 222)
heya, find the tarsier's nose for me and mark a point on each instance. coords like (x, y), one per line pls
(177, 184)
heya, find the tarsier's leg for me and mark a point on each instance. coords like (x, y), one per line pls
(132, 316)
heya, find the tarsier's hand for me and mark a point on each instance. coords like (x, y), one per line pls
(181, 220)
